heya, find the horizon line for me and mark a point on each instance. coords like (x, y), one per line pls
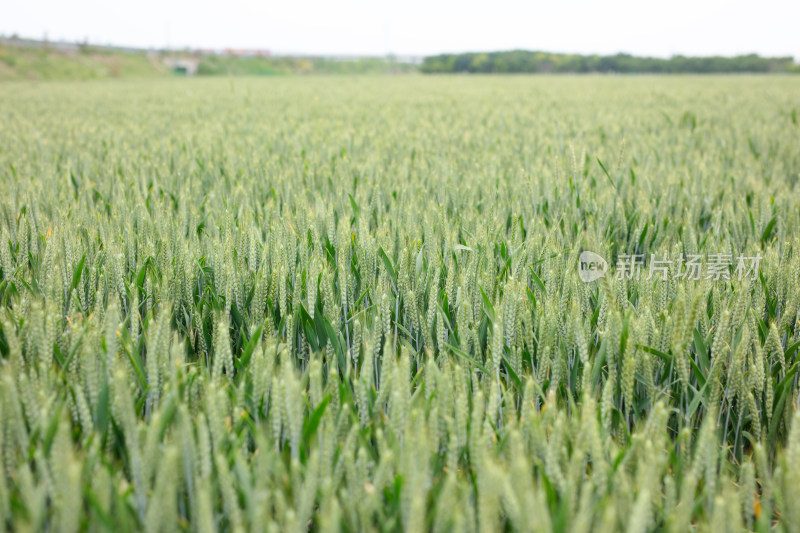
(267, 52)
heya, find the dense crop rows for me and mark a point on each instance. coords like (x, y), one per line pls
(354, 304)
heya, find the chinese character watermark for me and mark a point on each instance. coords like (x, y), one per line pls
(691, 267)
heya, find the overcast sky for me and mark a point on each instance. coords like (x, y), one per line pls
(419, 27)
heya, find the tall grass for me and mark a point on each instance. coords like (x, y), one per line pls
(354, 304)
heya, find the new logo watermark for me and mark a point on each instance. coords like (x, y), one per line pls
(591, 266)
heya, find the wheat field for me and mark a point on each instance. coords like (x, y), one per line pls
(357, 304)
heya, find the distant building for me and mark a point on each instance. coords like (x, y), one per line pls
(237, 52)
(184, 66)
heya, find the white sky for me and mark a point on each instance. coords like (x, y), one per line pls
(419, 27)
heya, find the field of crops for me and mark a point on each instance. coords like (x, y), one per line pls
(349, 304)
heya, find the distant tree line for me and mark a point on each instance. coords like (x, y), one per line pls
(524, 61)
